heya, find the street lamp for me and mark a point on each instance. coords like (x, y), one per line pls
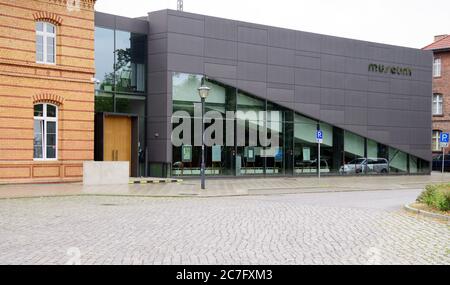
(203, 92)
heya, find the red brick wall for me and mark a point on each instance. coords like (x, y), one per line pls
(442, 85)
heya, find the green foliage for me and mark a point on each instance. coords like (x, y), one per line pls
(436, 196)
(103, 104)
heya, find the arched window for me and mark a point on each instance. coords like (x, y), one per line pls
(45, 43)
(45, 132)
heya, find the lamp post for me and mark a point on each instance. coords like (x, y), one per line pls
(203, 92)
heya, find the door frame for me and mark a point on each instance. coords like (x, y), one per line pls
(99, 128)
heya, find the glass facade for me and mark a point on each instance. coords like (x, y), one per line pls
(120, 63)
(187, 108)
(251, 153)
(241, 148)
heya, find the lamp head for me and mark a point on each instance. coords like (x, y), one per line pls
(203, 91)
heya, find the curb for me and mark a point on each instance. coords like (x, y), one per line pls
(440, 217)
(153, 181)
(194, 195)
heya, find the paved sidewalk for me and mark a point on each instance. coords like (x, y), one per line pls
(229, 187)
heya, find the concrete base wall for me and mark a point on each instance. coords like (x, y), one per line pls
(106, 172)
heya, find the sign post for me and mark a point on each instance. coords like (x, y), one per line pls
(319, 139)
(443, 141)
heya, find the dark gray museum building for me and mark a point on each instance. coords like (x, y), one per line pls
(372, 101)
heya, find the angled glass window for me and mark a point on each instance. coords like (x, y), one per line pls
(398, 160)
(305, 145)
(354, 160)
(354, 144)
(297, 151)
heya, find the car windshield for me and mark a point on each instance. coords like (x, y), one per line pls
(357, 161)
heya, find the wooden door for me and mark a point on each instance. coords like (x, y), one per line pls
(117, 138)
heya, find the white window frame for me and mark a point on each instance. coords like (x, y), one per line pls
(437, 67)
(45, 35)
(435, 137)
(438, 101)
(46, 119)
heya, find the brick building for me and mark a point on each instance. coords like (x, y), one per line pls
(441, 88)
(46, 91)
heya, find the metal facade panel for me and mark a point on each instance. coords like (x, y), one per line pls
(385, 107)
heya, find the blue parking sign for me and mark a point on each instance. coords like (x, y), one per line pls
(444, 138)
(319, 136)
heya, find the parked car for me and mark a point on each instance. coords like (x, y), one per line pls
(312, 164)
(437, 162)
(365, 165)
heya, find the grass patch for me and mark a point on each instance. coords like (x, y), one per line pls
(426, 208)
(436, 196)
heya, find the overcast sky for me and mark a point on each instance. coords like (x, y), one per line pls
(411, 23)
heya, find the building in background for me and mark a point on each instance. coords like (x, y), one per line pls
(441, 89)
(370, 100)
(46, 92)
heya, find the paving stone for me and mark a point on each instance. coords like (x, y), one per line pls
(235, 230)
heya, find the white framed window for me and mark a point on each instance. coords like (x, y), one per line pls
(437, 67)
(45, 132)
(435, 140)
(437, 104)
(45, 43)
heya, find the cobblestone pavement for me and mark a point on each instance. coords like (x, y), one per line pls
(277, 229)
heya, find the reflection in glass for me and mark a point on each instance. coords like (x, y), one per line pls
(377, 158)
(39, 110)
(51, 140)
(50, 49)
(252, 154)
(305, 146)
(185, 98)
(342, 151)
(418, 166)
(120, 61)
(40, 48)
(104, 102)
(398, 161)
(104, 59)
(130, 62)
(39, 26)
(353, 149)
(50, 28)
(51, 111)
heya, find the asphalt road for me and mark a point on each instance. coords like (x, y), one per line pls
(389, 200)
